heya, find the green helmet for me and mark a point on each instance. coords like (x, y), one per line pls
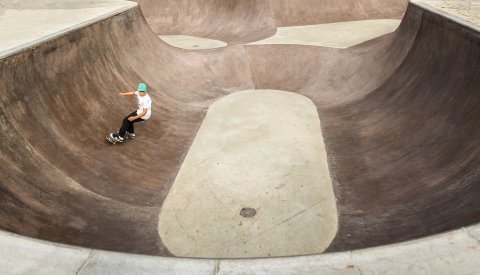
(142, 87)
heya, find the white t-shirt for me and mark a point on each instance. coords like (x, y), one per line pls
(144, 102)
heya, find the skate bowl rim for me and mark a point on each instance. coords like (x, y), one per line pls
(425, 254)
(49, 256)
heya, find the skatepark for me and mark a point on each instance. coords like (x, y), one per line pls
(287, 137)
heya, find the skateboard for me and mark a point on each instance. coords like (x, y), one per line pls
(111, 139)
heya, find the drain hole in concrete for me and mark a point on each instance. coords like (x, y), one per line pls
(248, 212)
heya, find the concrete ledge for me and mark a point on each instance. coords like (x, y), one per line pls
(455, 252)
(450, 16)
(26, 35)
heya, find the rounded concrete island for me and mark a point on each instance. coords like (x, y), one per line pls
(261, 149)
(188, 42)
(286, 137)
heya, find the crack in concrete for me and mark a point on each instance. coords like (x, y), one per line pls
(208, 185)
(291, 170)
(471, 235)
(182, 227)
(289, 218)
(84, 264)
(359, 269)
(301, 212)
(355, 264)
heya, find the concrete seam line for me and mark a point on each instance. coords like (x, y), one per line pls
(354, 262)
(85, 262)
(247, 57)
(217, 267)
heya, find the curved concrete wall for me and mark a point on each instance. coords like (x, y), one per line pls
(236, 21)
(251, 20)
(301, 12)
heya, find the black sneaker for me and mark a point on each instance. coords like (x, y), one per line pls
(118, 138)
(129, 135)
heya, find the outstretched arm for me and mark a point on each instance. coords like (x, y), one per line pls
(127, 94)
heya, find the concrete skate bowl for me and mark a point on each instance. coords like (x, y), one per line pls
(398, 115)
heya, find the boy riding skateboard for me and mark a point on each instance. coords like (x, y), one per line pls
(144, 112)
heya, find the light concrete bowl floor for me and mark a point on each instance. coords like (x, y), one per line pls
(272, 161)
(334, 35)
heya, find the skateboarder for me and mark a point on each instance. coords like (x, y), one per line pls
(144, 112)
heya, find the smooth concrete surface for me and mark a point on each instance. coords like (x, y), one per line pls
(455, 252)
(260, 149)
(335, 35)
(399, 117)
(24, 24)
(188, 42)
